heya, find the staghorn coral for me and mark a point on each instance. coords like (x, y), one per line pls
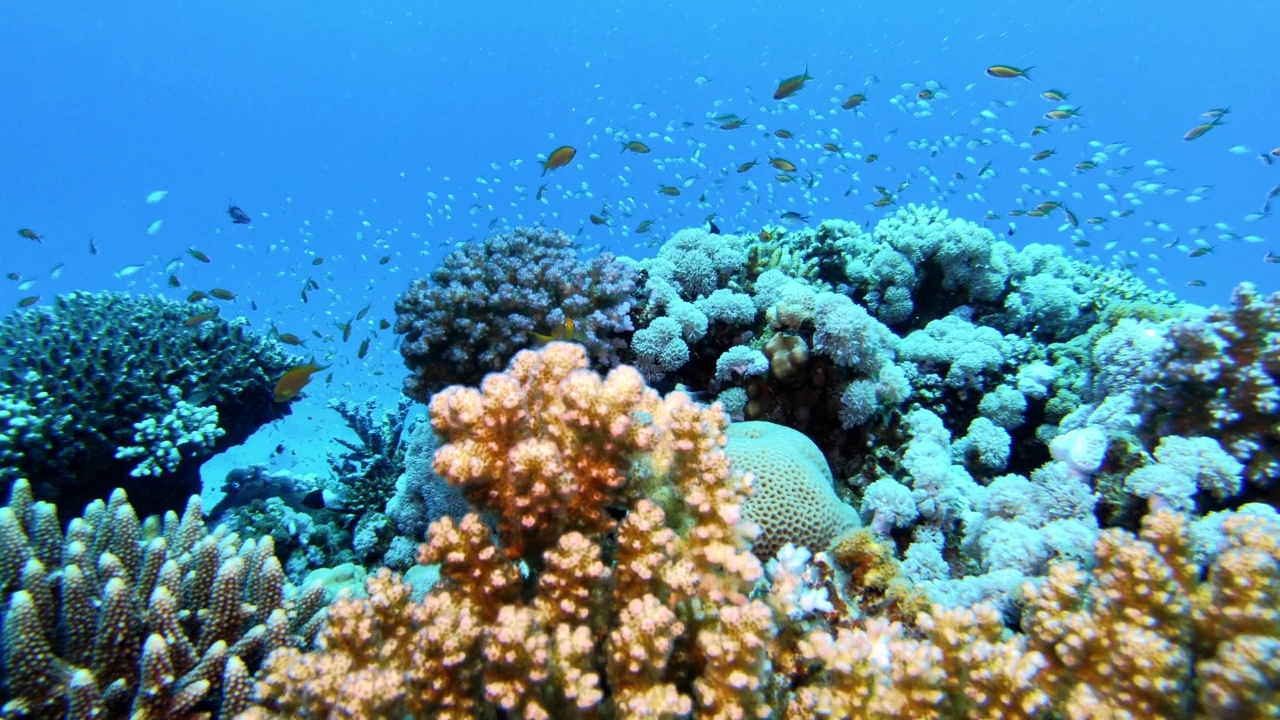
(121, 618)
(647, 616)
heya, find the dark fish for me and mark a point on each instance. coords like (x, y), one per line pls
(364, 349)
(715, 229)
(324, 499)
(238, 216)
(93, 247)
(30, 234)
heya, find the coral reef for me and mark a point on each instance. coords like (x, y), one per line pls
(620, 584)
(275, 504)
(126, 618)
(110, 390)
(486, 300)
(421, 497)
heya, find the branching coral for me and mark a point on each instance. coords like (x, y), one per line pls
(655, 608)
(484, 300)
(122, 618)
(656, 615)
(1221, 379)
(1141, 635)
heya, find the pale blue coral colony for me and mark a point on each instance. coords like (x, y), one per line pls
(987, 408)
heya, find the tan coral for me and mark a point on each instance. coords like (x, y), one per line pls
(794, 500)
(149, 619)
(546, 446)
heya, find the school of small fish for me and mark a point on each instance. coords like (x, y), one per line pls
(779, 176)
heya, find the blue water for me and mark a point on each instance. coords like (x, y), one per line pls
(353, 131)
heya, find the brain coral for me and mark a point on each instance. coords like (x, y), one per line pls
(793, 500)
(484, 301)
(107, 390)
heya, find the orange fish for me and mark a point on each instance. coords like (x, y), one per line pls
(854, 101)
(202, 318)
(1008, 71)
(559, 157)
(782, 164)
(1199, 130)
(292, 382)
(791, 85)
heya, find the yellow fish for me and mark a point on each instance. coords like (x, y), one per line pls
(565, 331)
(292, 382)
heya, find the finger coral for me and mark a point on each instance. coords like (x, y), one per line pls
(121, 618)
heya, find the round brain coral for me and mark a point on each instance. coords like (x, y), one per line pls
(793, 500)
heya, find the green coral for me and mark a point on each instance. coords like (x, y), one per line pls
(94, 382)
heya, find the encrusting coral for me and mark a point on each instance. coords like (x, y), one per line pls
(621, 584)
(121, 618)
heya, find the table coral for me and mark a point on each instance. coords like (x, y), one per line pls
(106, 390)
